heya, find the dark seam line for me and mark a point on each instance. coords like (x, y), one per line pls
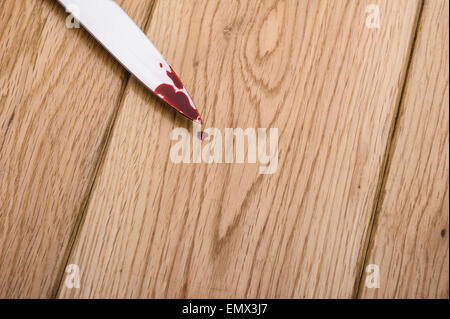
(99, 164)
(390, 148)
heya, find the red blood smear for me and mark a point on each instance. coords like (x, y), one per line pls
(176, 80)
(202, 135)
(178, 100)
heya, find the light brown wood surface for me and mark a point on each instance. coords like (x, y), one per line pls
(410, 237)
(59, 91)
(362, 115)
(310, 68)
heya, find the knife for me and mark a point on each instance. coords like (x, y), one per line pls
(117, 32)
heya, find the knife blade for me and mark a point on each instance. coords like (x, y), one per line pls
(117, 32)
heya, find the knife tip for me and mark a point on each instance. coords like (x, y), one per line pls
(198, 120)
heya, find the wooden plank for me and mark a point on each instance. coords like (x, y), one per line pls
(59, 91)
(313, 70)
(410, 238)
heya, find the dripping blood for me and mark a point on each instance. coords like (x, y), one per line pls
(202, 135)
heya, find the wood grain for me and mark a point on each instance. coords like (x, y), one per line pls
(59, 91)
(410, 240)
(310, 68)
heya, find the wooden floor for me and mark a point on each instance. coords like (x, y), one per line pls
(363, 172)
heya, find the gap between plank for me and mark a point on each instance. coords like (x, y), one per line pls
(384, 171)
(385, 166)
(104, 146)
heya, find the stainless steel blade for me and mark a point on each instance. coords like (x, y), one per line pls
(117, 32)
